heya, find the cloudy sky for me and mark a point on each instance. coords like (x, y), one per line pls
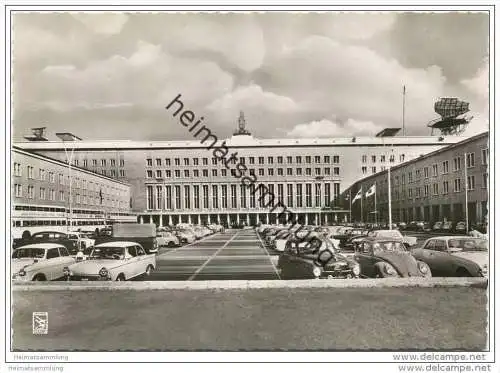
(110, 76)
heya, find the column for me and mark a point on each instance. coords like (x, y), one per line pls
(237, 215)
(209, 219)
(151, 218)
(307, 219)
(189, 218)
(326, 219)
(169, 220)
(161, 220)
(141, 219)
(199, 219)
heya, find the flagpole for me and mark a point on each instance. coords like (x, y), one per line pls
(362, 218)
(389, 192)
(375, 203)
(350, 206)
(466, 196)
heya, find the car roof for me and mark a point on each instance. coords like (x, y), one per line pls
(382, 239)
(45, 232)
(117, 244)
(40, 246)
(456, 238)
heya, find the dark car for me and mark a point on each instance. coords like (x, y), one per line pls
(455, 256)
(461, 227)
(384, 257)
(402, 225)
(447, 227)
(47, 237)
(437, 226)
(315, 258)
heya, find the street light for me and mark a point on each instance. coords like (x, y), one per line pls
(388, 132)
(69, 137)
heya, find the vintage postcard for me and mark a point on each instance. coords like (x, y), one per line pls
(250, 184)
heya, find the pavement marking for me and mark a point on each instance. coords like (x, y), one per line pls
(209, 259)
(269, 256)
(187, 245)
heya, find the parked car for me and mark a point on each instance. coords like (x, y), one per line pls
(115, 261)
(315, 259)
(402, 225)
(82, 240)
(143, 234)
(388, 257)
(47, 237)
(461, 227)
(185, 235)
(447, 227)
(437, 226)
(40, 262)
(455, 256)
(167, 239)
(407, 240)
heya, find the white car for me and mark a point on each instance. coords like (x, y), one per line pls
(167, 239)
(40, 262)
(81, 239)
(115, 261)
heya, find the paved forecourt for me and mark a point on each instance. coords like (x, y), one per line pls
(232, 255)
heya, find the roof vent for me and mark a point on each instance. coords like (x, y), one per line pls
(38, 134)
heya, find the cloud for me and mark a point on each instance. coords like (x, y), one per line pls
(102, 23)
(327, 128)
(347, 26)
(479, 84)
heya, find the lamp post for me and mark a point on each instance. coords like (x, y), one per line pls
(466, 195)
(69, 137)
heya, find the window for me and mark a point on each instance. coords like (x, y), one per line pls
(224, 196)
(363, 170)
(308, 172)
(382, 168)
(150, 197)
(326, 159)
(336, 159)
(485, 180)
(426, 190)
(243, 196)
(457, 185)
(168, 197)
(149, 174)
(317, 171)
(17, 169)
(417, 174)
(374, 170)
(42, 174)
(434, 170)
(94, 162)
(470, 160)
(261, 172)
(402, 158)
(177, 190)
(484, 156)
(187, 197)
(177, 173)
(113, 173)
(317, 159)
(327, 171)
(391, 158)
(195, 162)
(270, 160)
(426, 172)
(224, 172)
(280, 172)
(251, 160)
(31, 191)
(18, 190)
(186, 161)
(445, 167)
(61, 195)
(122, 173)
(363, 158)
(30, 172)
(308, 195)
(215, 196)
(205, 161)
(471, 182)
(205, 196)
(159, 197)
(435, 189)
(289, 171)
(308, 159)
(382, 158)
(233, 197)
(196, 173)
(317, 195)
(280, 194)
(445, 187)
(52, 253)
(299, 171)
(122, 162)
(327, 194)
(298, 159)
(457, 164)
(410, 177)
(186, 173)
(299, 195)
(112, 162)
(261, 160)
(52, 177)
(289, 195)
(205, 173)
(410, 193)
(374, 158)
(214, 161)
(158, 174)
(270, 171)
(214, 173)
(103, 163)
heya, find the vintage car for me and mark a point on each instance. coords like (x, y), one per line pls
(167, 239)
(388, 257)
(437, 226)
(82, 240)
(314, 257)
(407, 240)
(461, 227)
(185, 235)
(47, 237)
(115, 261)
(40, 262)
(455, 256)
(447, 227)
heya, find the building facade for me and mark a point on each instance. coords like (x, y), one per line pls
(446, 184)
(183, 181)
(41, 194)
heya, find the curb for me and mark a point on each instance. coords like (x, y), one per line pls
(256, 284)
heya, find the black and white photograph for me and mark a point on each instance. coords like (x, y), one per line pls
(249, 184)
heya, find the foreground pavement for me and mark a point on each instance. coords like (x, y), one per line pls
(443, 318)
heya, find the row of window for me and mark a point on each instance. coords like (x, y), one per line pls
(261, 172)
(103, 163)
(61, 179)
(159, 162)
(411, 193)
(52, 194)
(392, 158)
(169, 197)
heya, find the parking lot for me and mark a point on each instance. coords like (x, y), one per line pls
(233, 255)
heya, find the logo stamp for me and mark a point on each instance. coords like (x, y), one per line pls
(40, 322)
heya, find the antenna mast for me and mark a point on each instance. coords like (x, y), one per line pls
(404, 96)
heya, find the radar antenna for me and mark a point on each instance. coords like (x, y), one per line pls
(453, 120)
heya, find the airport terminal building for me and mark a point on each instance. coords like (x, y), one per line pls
(183, 181)
(446, 184)
(41, 195)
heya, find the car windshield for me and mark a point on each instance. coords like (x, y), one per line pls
(468, 244)
(388, 246)
(33, 252)
(109, 252)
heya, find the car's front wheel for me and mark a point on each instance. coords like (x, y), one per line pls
(462, 272)
(120, 277)
(171, 244)
(39, 277)
(149, 269)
